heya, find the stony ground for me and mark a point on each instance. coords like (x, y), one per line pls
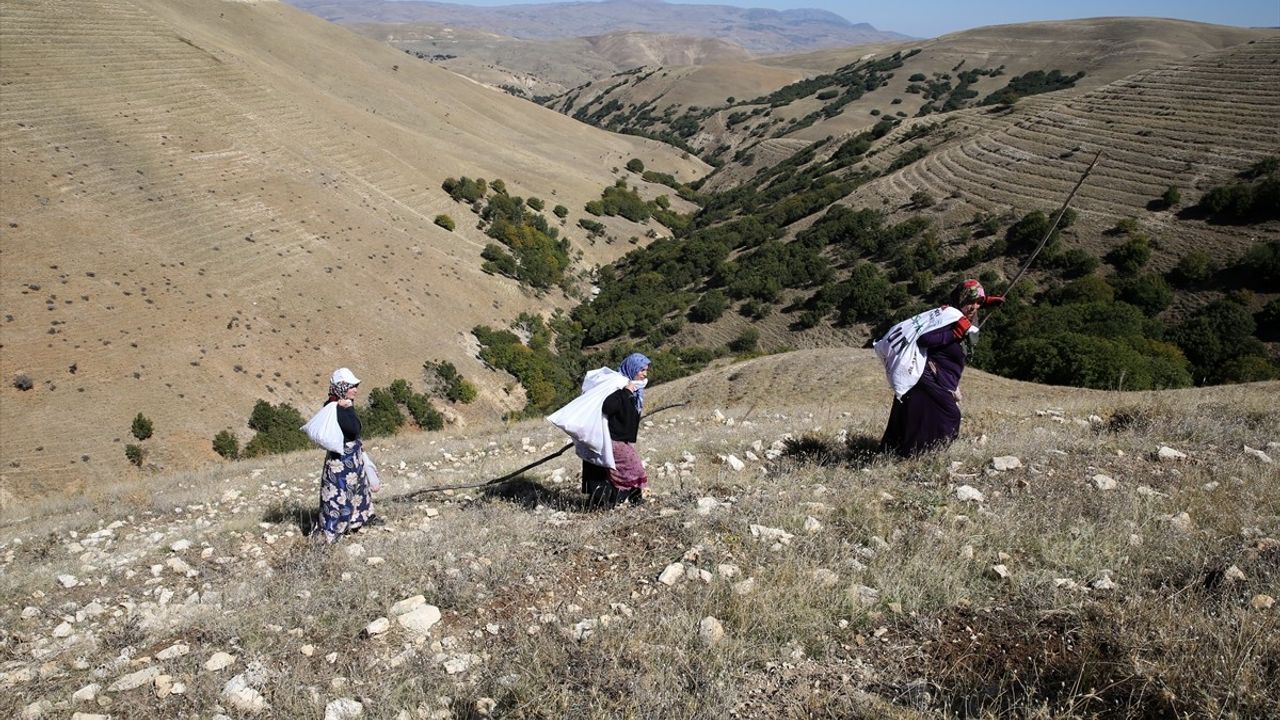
(1097, 554)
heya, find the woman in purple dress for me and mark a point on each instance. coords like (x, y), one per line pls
(928, 416)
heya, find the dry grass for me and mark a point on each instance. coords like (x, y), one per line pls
(514, 571)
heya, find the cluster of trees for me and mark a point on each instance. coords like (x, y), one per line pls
(529, 248)
(1032, 83)
(1255, 199)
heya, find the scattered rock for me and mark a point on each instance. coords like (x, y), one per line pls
(1006, 462)
(68, 581)
(485, 706)
(733, 462)
(1234, 574)
(825, 578)
(744, 587)
(377, 627)
(219, 661)
(64, 629)
(710, 631)
(36, 710)
(1257, 455)
(1104, 482)
(88, 693)
(707, 505)
(1103, 583)
(671, 574)
(1262, 602)
(307, 650)
(1000, 572)
(863, 595)
(89, 716)
(343, 709)
(1168, 454)
(968, 493)
(134, 679)
(180, 545)
(771, 534)
(173, 651)
(407, 604)
(811, 525)
(1182, 522)
(728, 570)
(420, 620)
(240, 696)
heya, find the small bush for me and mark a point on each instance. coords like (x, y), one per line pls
(1128, 258)
(383, 416)
(445, 222)
(1195, 268)
(23, 382)
(278, 430)
(747, 341)
(536, 203)
(227, 445)
(142, 427)
(922, 199)
(135, 454)
(709, 307)
(560, 211)
(635, 165)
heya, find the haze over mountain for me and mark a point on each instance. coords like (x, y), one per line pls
(757, 30)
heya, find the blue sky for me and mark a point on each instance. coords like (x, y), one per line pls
(927, 18)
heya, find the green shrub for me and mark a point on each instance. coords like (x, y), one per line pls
(1130, 256)
(141, 427)
(466, 189)
(1268, 320)
(135, 454)
(747, 341)
(1216, 335)
(1259, 267)
(1148, 291)
(536, 203)
(227, 445)
(498, 261)
(592, 227)
(922, 199)
(709, 307)
(278, 430)
(450, 383)
(445, 222)
(560, 211)
(1089, 289)
(424, 415)
(864, 296)
(382, 416)
(635, 165)
(1195, 268)
(1074, 263)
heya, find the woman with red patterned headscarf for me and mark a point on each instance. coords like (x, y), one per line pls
(927, 416)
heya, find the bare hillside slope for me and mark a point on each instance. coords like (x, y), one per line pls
(207, 203)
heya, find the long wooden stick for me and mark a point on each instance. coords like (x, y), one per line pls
(1056, 220)
(410, 497)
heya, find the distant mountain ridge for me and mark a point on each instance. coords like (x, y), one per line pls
(758, 30)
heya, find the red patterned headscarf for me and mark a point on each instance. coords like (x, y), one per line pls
(966, 293)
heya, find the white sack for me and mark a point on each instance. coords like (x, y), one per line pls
(323, 428)
(583, 418)
(900, 353)
(371, 473)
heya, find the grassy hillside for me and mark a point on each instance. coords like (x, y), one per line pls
(837, 98)
(1091, 579)
(207, 204)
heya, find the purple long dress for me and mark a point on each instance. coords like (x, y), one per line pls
(928, 416)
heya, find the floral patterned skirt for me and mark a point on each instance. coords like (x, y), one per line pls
(345, 502)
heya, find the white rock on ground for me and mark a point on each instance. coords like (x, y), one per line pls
(407, 604)
(219, 661)
(377, 627)
(1103, 583)
(825, 578)
(967, 493)
(1257, 455)
(90, 716)
(68, 581)
(999, 571)
(1104, 482)
(1168, 454)
(707, 505)
(134, 679)
(744, 587)
(863, 595)
(173, 651)
(812, 525)
(1234, 574)
(710, 631)
(36, 710)
(728, 570)
(1262, 602)
(671, 574)
(733, 462)
(240, 696)
(771, 534)
(1006, 462)
(64, 629)
(181, 545)
(88, 693)
(420, 620)
(1182, 522)
(343, 709)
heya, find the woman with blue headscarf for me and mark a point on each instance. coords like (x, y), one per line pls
(627, 479)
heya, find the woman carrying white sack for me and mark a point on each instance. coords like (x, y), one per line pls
(604, 422)
(348, 479)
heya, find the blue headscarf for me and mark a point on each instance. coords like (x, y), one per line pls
(631, 366)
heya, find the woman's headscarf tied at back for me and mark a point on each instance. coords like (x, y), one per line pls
(631, 366)
(341, 381)
(967, 293)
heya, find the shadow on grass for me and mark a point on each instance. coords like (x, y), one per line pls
(814, 449)
(306, 519)
(530, 493)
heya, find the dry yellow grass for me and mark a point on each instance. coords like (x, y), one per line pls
(205, 204)
(550, 611)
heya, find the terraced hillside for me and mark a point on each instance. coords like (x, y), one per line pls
(1189, 125)
(209, 203)
(780, 102)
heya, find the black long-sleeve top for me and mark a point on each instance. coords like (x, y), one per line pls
(349, 422)
(623, 417)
